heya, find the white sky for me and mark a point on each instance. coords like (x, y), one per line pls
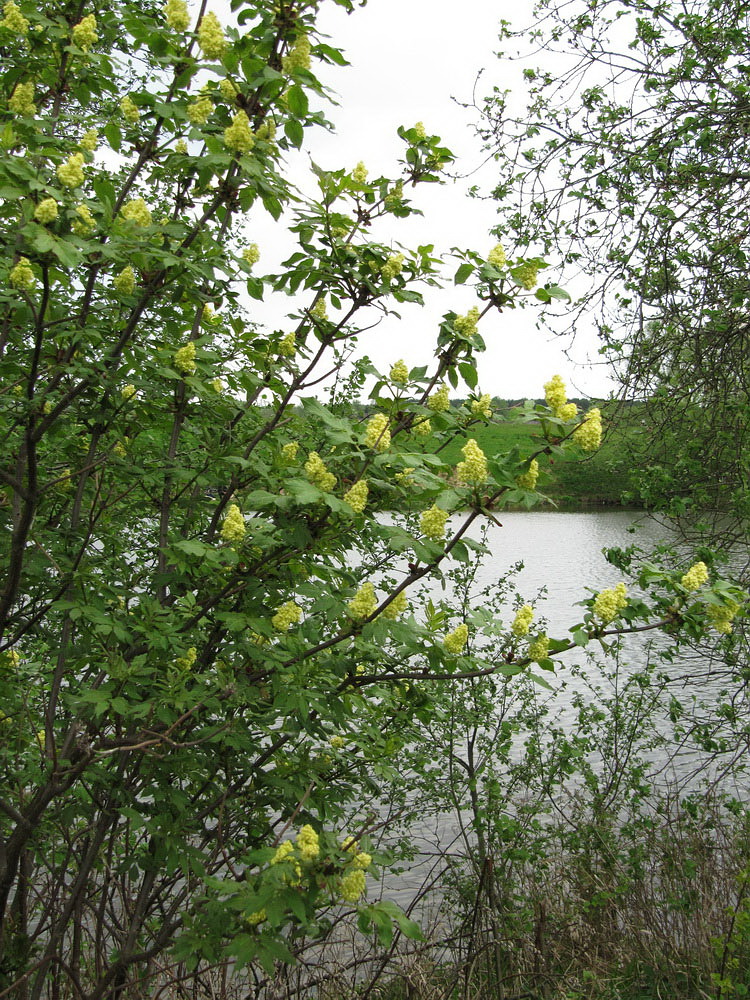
(411, 63)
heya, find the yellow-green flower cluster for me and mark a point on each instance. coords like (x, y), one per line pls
(200, 110)
(395, 196)
(21, 276)
(420, 130)
(89, 140)
(308, 844)
(14, 20)
(455, 641)
(721, 616)
(695, 577)
(228, 90)
(233, 526)
(211, 36)
(319, 310)
(285, 855)
(283, 851)
(364, 602)
(289, 451)
(393, 266)
(184, 358)
(65, 481)
(186, 662)
(356, 497)
(526, 275)
(398, 605)
(266, 131)
(359, 174)
(353, 885)
(12, 658)
(298, 56)
(129, 110)
(217, 384)
(432, 523)
(467, 325)
(589, 434)
(85, 224)
(128, 391)
(70, 173)
(399, 373)
(287, 615)
(473, 469)
(176, 15)
(137, 211)
(609, 603)
(568, 412)
(439, 402)
(288, 345)
(522, 621)
(555, 394)
(527, 480)
(238, 135)
(46, 211)
(377, 435)
(84, 33)
(251, 254)
(481, 407)
(255, 918)
(318, 474)
(180, 147)
(423, 428)
(124, 283)
(22, 99)
(538, 648)
(497, 257)
(337, 742)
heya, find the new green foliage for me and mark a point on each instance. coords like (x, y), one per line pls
(208, 640)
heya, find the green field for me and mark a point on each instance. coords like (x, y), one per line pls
(603, 478)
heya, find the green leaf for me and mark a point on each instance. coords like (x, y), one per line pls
(294, 132)
(304, 492)
(296, 101)
(463, 273)
(193, 547)
(272, 205)
(407, 926)
(469, 374)
(105, 192)
(113, 135)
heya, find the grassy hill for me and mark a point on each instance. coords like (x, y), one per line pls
(605, 477)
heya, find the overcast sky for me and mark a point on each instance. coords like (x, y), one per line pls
(411, 63)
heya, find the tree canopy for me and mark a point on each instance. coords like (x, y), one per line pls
(213, 643)
(631, 159)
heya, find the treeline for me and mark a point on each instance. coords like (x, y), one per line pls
(500, 406)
